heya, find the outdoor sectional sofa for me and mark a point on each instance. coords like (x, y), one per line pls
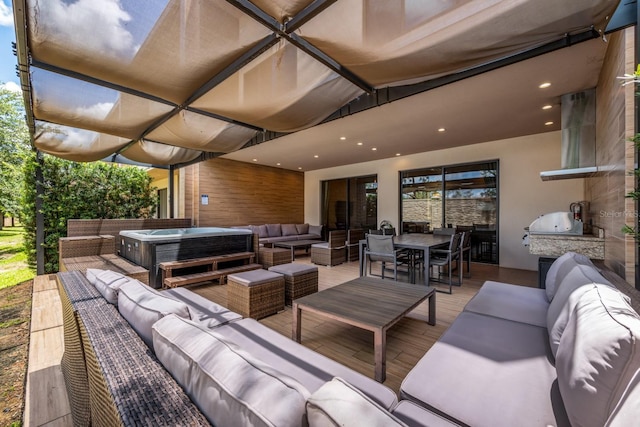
(271, 233)
(565, 355)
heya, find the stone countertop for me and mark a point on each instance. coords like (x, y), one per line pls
(558, 244)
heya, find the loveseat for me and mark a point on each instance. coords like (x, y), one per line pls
(271, 233)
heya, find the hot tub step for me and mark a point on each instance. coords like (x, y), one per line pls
(187, 279)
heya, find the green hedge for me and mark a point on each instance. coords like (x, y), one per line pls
(83, 191)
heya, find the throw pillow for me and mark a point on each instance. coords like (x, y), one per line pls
(302, 228)
(599, 357)
(274, 230)
(338, 403)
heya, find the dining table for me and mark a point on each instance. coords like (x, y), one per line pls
(414, 241)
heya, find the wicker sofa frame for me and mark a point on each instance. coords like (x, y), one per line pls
(112, 377)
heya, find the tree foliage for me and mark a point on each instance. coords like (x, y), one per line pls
(14, 149)
(83, 191)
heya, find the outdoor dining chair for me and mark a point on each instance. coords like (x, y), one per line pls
(445, 258)
(380, 249)
(465, 251)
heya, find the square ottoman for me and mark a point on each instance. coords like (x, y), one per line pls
(269, 257)
(256, 293)
(299, 280)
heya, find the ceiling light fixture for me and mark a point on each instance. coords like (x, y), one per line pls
(374, 149)
(397, 154)
(547, 107)
(300, 167)
(342, 138)
(315, 156)
(359, 143)
(544, 85)
(441, 130)
(548, 123)
(278, 164)
(255, 160)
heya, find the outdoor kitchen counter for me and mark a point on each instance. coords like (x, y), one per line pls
(558, 244)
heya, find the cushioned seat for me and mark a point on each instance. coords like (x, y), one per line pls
(256, 293)
(333, 252)
(299, 280)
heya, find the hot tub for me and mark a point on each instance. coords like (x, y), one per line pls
(148, 248)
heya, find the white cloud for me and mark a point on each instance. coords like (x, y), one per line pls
(97, 111)
(11, 86)
(77, 21)
(6, 16)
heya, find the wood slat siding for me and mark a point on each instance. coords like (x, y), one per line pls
(242, 194)
(407, 340)
(610, 209)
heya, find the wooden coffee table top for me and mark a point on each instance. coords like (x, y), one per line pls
(367, 303)
(374, 302)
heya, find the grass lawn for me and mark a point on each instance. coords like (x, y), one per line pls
(13, 260)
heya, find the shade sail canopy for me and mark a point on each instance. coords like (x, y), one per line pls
(165, 82)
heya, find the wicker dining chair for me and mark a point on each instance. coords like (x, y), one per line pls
(353, 243)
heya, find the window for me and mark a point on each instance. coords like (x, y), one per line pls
(350, 203)
(460, 196)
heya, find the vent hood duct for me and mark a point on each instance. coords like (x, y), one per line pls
(578, 121)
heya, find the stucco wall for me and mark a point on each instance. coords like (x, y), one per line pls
(523, 195)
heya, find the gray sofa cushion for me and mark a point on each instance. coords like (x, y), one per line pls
(598, 357)
(579, 276)
(201, 310)
(337, 403)
(559, 268)
(310, 368)
(142, 306)
(229, 385)
(511, 302)
(486, 371)
(315, 230)
(415, 415)
(107, 282)
(274, 230)
(289, 230)
(302, 228)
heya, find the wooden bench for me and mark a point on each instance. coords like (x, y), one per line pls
(213, 262)
(221, 274)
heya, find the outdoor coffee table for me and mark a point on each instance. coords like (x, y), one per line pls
(296, 244)
(367, 303)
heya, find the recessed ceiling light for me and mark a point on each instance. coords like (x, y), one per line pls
(441, 130)
(374, 149)
(315, 156)
(397, 154)
(547, 107)
(278, 164)
(544, 85)
(548, 123)
(359, 143)
(300, 167)
(342, 138)
(255, 160)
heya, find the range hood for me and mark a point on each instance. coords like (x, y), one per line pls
(578, 122)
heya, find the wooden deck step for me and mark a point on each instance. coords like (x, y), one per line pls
(187, 279)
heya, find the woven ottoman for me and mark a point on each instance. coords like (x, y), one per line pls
(299, 280)
(256, 293)
(269, 257)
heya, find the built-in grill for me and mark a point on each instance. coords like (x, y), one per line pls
(556, 223)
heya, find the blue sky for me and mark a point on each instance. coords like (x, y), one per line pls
(8, 61)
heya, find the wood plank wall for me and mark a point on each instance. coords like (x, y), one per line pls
(242, 194)
(609, 208)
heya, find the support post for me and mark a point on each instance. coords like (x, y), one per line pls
(171, 191)
(39, 216)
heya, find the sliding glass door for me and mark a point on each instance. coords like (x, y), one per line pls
(349, 203)
(463, 197)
